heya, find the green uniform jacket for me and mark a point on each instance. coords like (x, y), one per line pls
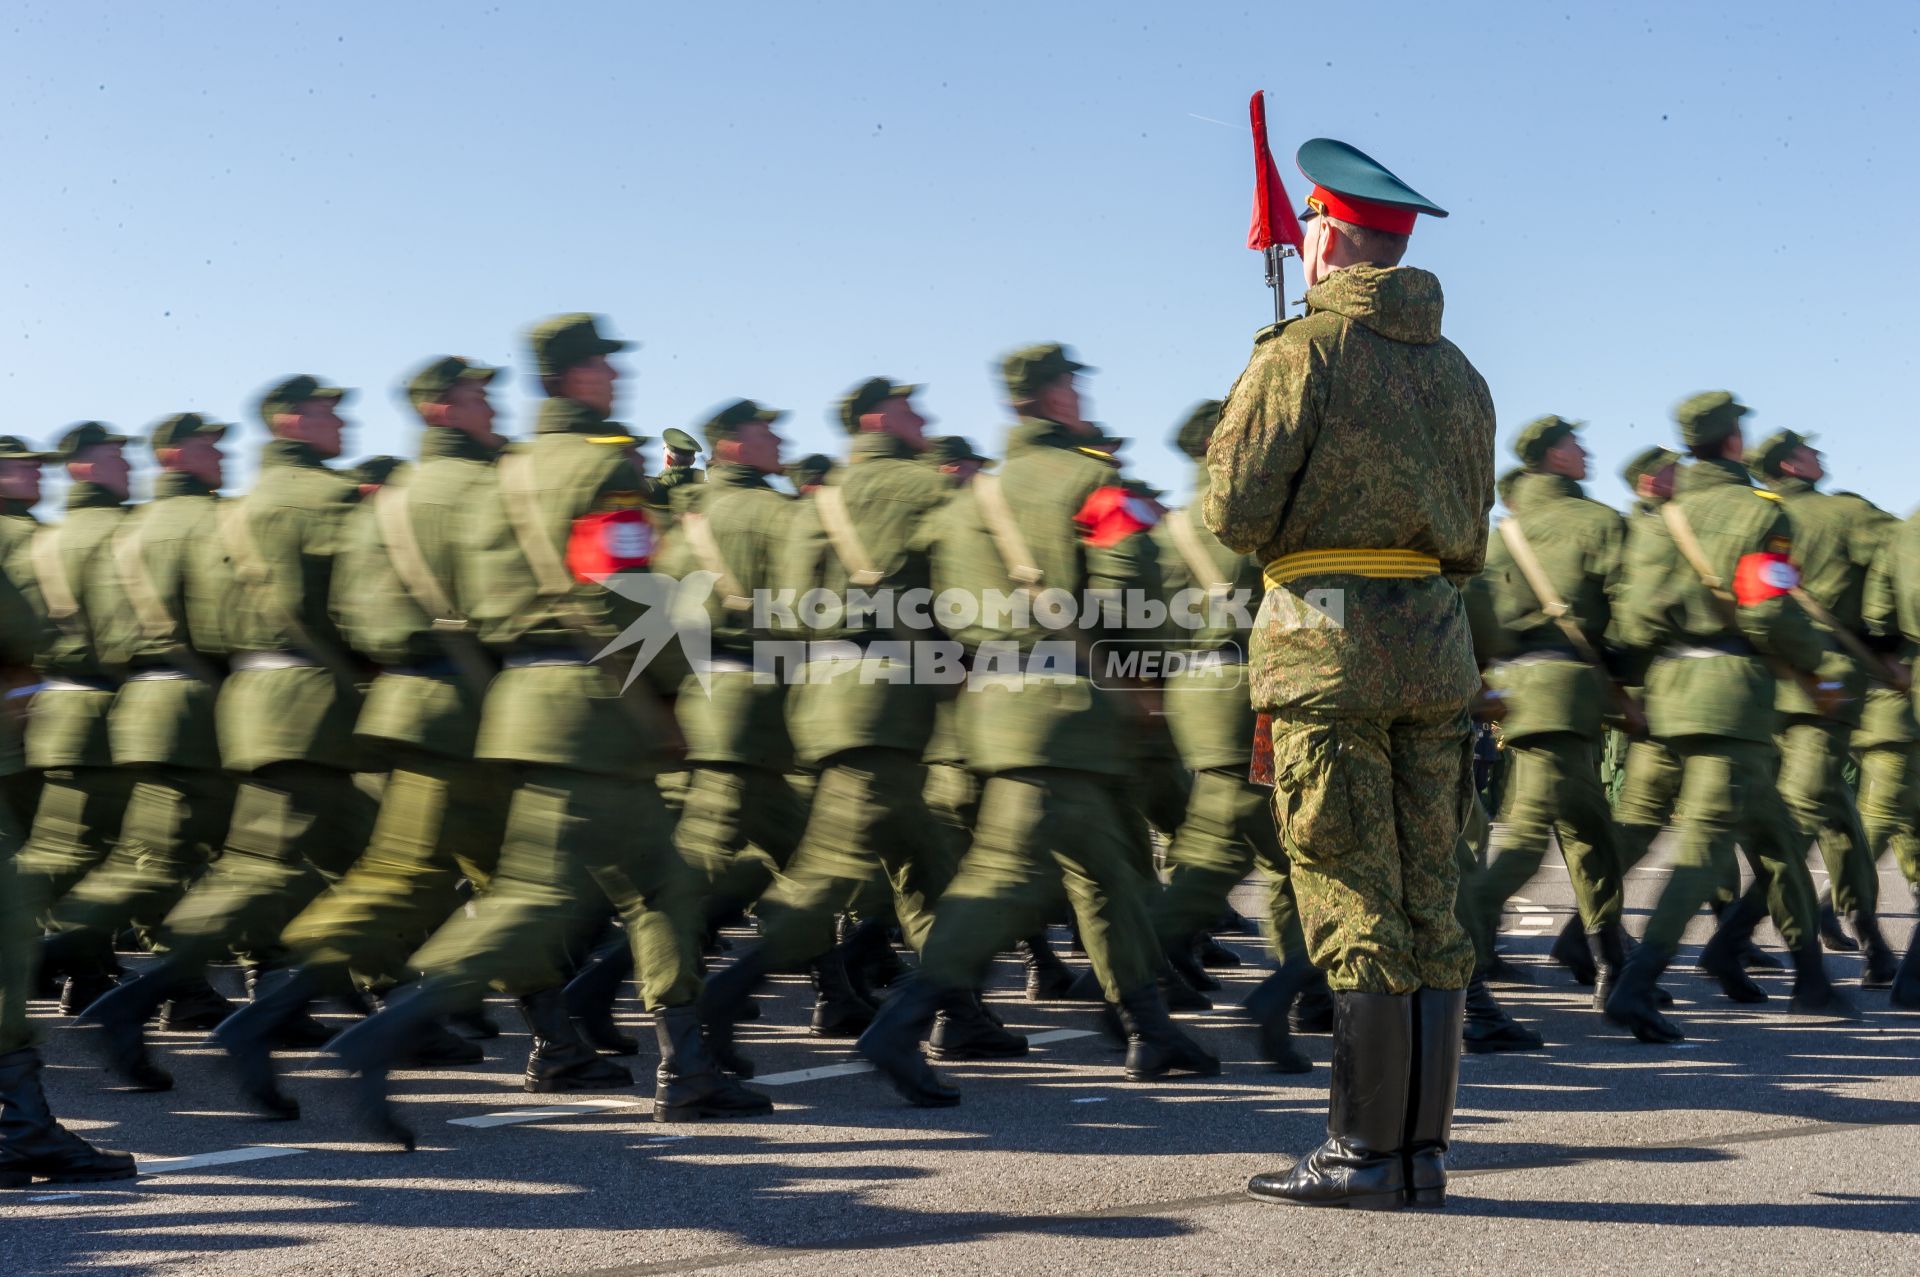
(1207, 706)
(1835, 537)
(1008, 721)
(1892, 615)
(171, 720)
(69, 728)
(422, 697)
(733, 719)
(1703, 681)
(1359, 427)
(562, 713)
(890, 498)
(1579, 543)
(17, 529)
(297, 518)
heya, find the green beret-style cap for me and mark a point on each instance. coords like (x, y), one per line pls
(83, 435)
(14, 448)
(1708, 417)
(431, 383)
(1540, 434)
(810, 469)
(679, 440)
(948, 450)
(1031, 369)
(171, 432)
(736, 414)
(1192, 434)
(288, 395)
(1765, 457)
(565, 340)
(1645, 462)
(867, 396)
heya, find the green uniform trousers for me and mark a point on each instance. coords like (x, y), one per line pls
(1371, 812)
(74, 827)
(739, 826)
(1890, 804)
(1165, 789)
(20, 795)
(572, 839)
(1228, 831)
(953, 800)
(20, 906)
(1728, 795)
(1042, 831)
(1553, 788)
(869, 821)
(1813, 752)
(441, 819)
(1648, 791)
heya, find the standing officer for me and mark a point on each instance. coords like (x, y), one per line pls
(1889, 785)
(680, 479)
(284, 719)
(1051, 525)
(1355, 457)
(19, 493)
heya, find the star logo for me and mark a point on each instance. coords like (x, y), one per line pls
(670, 610)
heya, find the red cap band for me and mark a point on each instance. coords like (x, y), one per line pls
(1380, 217)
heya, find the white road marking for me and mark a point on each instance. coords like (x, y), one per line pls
(515, 1117)
(225, 1157)
(1058, 1035)
(809, 1075)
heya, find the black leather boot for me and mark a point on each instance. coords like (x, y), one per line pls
(380, 1043)
(1487, 1027)
(1155, 1047)
(838, 1010)
(1048, 978)
(196, 1006)
(560, 1060)
(1313, 1009)
(1724, 955)
(1361, 1163)
(1630, 1002)
(689, 1086)
(80, 991)
(1614, 946)
(1813, 992)
(302, 1032)
(1269, 1007)
(1906, 981)
(1213, 954)
(892, 1044)
(1437, 1020)
(1179, 995)
(475, 1024)
(1085, 988)
(1570, 951)
(1832, 934)
(121, 1014)
(1181, 956)
(966, 1030)
(35, 1146)
(1881, 965)
(590, 996)
(249, 1035)
(721, 1004)
(435, 1046)
(868, 952)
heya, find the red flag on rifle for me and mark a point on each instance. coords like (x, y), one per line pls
(1273, 217)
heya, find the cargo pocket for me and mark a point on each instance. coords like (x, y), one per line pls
(1315, 802)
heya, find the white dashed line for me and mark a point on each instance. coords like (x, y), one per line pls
(515, 1117)
(225, 1157)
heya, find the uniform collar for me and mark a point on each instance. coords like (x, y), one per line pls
(571, 417)
(91, 496)
(1038, 432)
(290, 452)
(441, 442)
(1715, 472)
(876, 445)
(731, 474)
(1535, 486)
(1791, 486)
(177, 483)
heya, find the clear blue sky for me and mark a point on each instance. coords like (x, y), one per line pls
(780, 199)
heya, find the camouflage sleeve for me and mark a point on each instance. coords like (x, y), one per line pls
(1266, 430)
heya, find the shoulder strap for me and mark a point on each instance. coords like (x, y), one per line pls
(522, 500)
(1555, 607)
(55, 590)
(1014, 554)
(129, 548)
(251, 567)
(1200, 565)
(831, 502)
(706, 548)
(409, 561)
(1691, 550)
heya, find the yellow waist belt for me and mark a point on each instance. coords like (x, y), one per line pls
(1387, 564)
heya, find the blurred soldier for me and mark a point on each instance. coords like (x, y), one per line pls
(575, 751)
(1355, 455)
(284, 718)
(19, 493)
(171, 577)
(1054, 809)
(1889, 786)
(1835, 538)
(809, 472)
(371, 474)
(955, 458)
(1707, 593)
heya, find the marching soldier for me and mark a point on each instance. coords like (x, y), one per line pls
(19, 493)
(1890, 788)
(809, 473)
(1355, 458)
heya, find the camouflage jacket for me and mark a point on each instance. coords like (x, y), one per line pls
(1359, 427)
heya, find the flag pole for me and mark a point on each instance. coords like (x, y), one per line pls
(1277, 280)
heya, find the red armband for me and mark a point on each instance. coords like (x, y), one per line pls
(1760, 577)
(1111, 515)
(609, 541)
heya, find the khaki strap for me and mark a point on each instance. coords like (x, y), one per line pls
(1549, 598)
(1387, 565)
(1022, 569)
(706, 548)
(1891, 672)
(1200, 565)
(522, 499)
(157, 621)
(831, 503)
(55, 590)
(251, 567)
(409, 561)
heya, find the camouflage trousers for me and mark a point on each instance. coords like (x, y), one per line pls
(74, 826)
(1228, 830)
(1553, 790)
(1371, 810)
(739, 826)
(1890, 804)
(1813, 752)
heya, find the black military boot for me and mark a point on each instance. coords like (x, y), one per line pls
(689, 1086)
(301, 1032)
(1813, 992)
(475, 1024)
(1212, 954)
(560, 1060)
(721, 1002)
(1361, 1163)
(82, 990)
(194, 1006)
(35, 1146)
(1085, 988)
(1179, 995)
(867, 949)
(1570, 950)
(892, 1044)
(1269, 1007)
(1631, 999)
(1880, 965)
(1724, 955)
(435, 1046)
(965, 1030)
(1488, 1028)
(381, 1043)
(838, 1009)
(1437, 1026)
(1313, 1009)
(121, 1015)
(1832, 934)
(1183, 957)
(590, 996)
(1906, 981)
(1155, 1047)
(249, 1035)
(1614, 946)
(1048, 978)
